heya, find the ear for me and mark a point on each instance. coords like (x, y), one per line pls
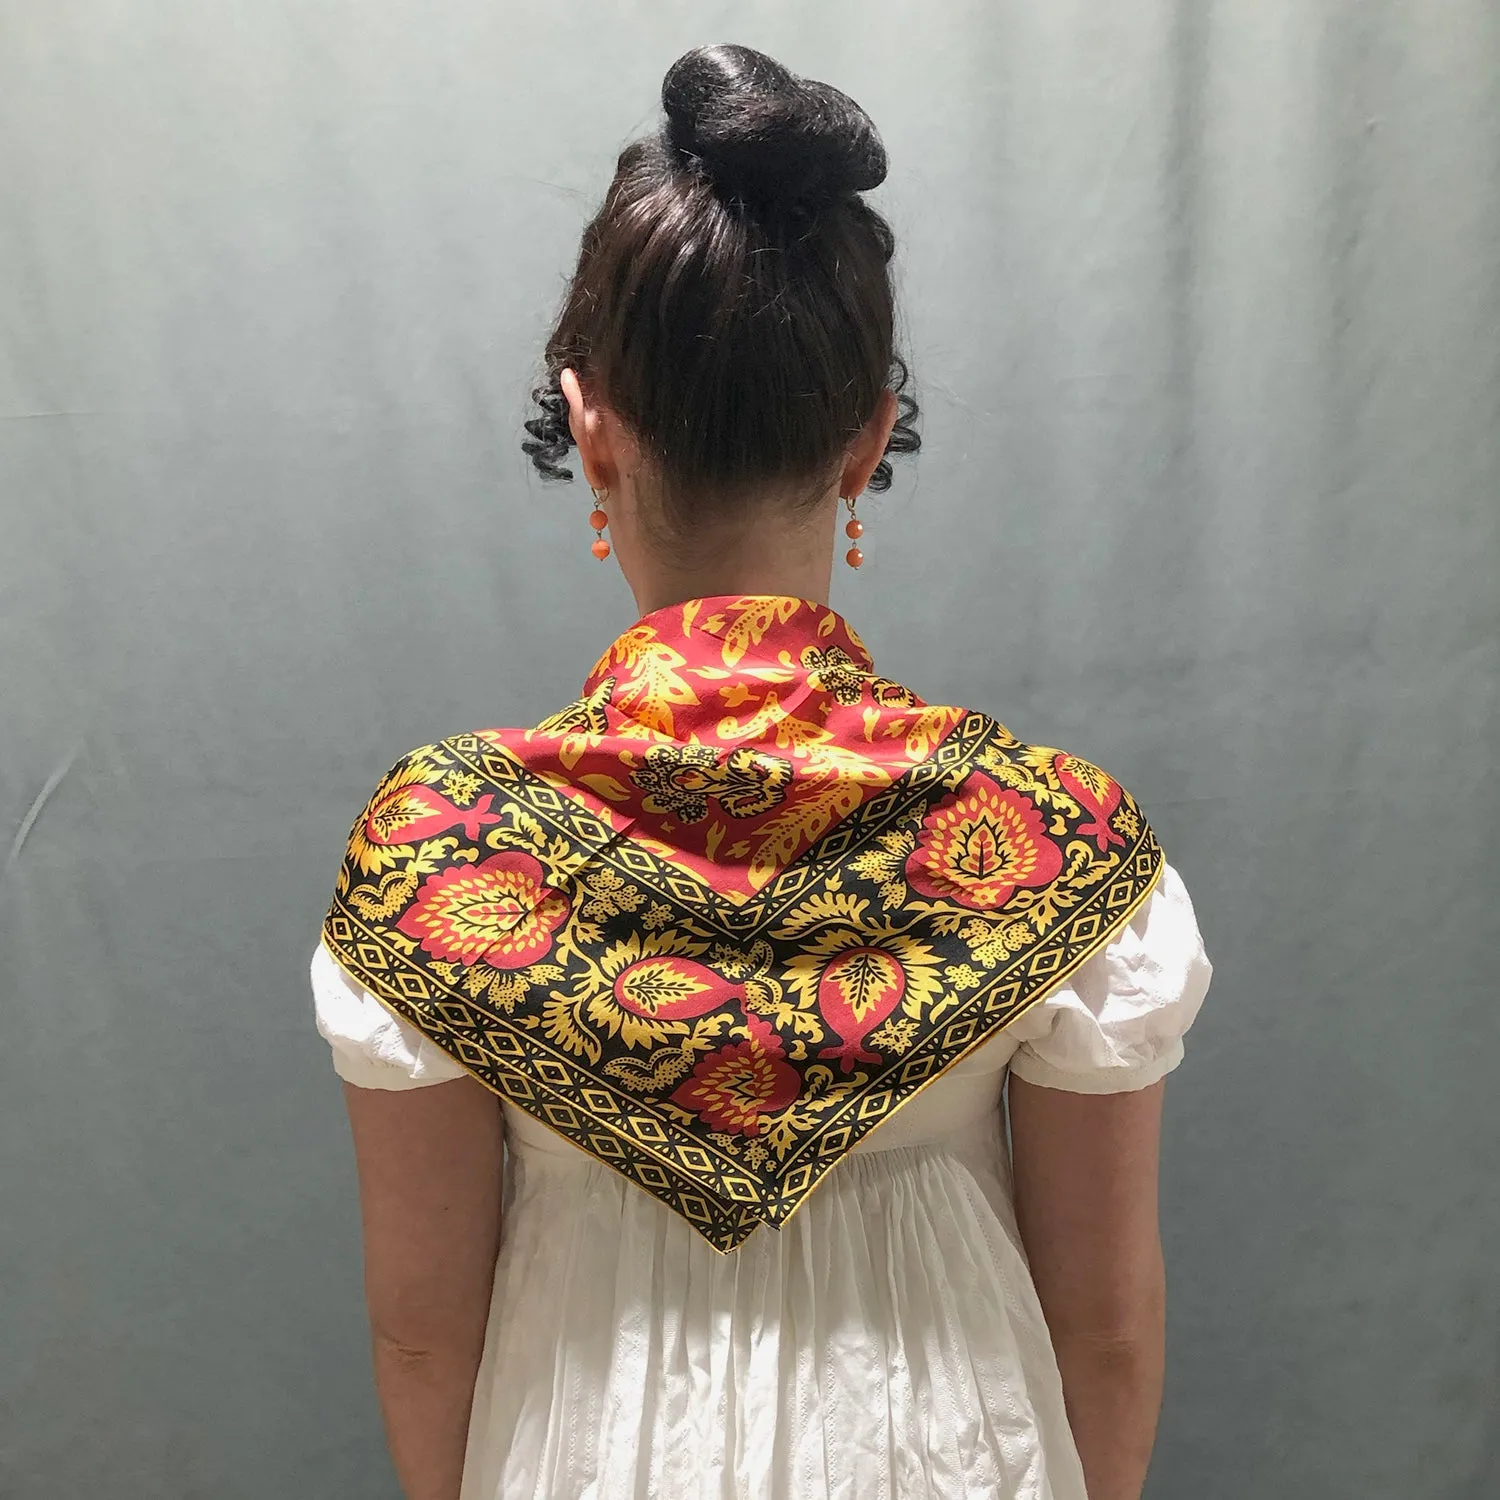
(590, 431)
(868, 448)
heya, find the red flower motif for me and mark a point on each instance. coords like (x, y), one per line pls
(979, 844)
(501, 911)
(736, 1086)
(1099, 793)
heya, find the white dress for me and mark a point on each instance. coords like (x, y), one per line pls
(885, 1344)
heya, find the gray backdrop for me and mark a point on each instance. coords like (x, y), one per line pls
(1204, 302)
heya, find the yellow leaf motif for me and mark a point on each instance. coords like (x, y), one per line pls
(754, 618)
(885, 865)
(639, 945)
(1017, 935)
(606, 787)
(506, 990)
(986, 941)
(806, 741)
(785, 835)
(526, 827)
(653, 983)
(462, 787)
(821, 908)
(560, 1025)
(652, 684)
(929, 726)
(924, 985)
(633, 1030)
(864, 979)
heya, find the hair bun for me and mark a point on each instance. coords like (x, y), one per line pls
(765, 133)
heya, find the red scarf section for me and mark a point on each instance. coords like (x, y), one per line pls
(718, 918)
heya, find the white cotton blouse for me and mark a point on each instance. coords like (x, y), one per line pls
(885, 1344)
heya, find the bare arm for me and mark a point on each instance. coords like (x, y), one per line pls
(429, 1164)
(1086, 1201)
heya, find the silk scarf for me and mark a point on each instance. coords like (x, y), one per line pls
(721, 916)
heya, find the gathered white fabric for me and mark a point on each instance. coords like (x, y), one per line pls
(885, 1344)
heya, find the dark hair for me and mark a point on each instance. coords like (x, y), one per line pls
(732, 301)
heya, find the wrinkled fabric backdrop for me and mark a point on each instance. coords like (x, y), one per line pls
(1204, 304)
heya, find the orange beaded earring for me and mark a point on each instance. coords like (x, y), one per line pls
(598, 520)
(853, 529)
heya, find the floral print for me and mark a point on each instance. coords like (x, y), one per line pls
(607, 895)
(720, 916)
(680, 780)
(736, 1088)
(835, 672)
(676, 780)
(501, 911)
(979, 845)
(1097, 792)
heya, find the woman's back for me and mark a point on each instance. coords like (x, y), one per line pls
(675, 1029)
(883, 1337)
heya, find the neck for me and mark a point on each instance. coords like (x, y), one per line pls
(773, 555)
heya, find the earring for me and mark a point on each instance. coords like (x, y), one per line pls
(598, 520)
(853, 529)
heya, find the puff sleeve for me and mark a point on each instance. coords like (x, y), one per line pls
(1117, 1023)
(372, 1047)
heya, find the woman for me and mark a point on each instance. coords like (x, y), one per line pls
(674, 1031)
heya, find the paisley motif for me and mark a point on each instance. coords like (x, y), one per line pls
(980, 844)
(856, 992)
(671, 989)
(1098, 792)
(406, 810)
(738, 1087)
(501, 911)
